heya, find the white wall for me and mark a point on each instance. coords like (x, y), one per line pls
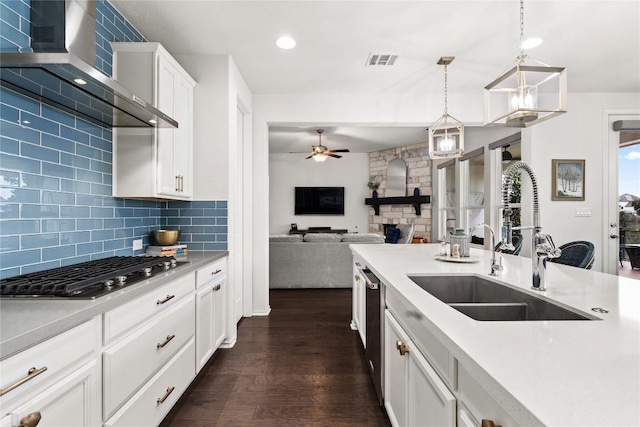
(287, 171)
(581, 133)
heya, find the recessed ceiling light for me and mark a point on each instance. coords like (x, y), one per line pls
(286, 42)
(80, 81)
(531, 42)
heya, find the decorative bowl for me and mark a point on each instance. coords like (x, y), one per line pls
(166, 237)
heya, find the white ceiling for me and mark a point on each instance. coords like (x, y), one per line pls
(598, 42)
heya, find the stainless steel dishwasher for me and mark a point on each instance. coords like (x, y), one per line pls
(373, 352)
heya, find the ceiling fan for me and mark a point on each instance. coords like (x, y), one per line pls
(320, 153)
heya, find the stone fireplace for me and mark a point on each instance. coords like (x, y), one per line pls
(416, 157)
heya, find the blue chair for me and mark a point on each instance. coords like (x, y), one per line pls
(579, 254)
(517, 244)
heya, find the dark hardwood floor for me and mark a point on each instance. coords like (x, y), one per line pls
(300, 366)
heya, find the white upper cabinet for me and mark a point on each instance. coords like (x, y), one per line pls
(154, 162)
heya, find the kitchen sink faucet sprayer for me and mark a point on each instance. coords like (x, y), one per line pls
(495, 266)
(542, 246)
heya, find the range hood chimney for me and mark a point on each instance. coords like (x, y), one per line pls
(59, 69)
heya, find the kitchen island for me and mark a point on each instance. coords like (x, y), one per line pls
(539, 372)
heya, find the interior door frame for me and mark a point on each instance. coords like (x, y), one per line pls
(611, 146)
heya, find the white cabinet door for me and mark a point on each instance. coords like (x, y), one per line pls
(210, 321)
(430, 403)
(414, 394)
(396, 368)
(219, 311)
(182, 149)
(73, 401)
(167, 81)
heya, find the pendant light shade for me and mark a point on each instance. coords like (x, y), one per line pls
(446, 135)
(506, 155)
(527, 92)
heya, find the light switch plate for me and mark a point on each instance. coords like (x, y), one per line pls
(583, 211)
(137, 244)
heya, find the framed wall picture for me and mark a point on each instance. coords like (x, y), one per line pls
(567, 180)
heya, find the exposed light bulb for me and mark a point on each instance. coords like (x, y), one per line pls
(524, 98)
(446, 143)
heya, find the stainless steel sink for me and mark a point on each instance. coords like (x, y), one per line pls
(484, 300)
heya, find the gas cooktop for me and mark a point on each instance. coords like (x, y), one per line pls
(87, 280)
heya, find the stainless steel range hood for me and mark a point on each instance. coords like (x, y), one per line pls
(58, 69)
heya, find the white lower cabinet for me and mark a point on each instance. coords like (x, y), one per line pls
(154, 400)
(414, 393)
(58, 379)
(70, 402)
(130, 362)
(210, 311)
(359, 306)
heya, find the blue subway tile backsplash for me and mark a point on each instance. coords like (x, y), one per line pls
(56, 177)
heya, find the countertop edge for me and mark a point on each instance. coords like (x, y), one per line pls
(85, 310)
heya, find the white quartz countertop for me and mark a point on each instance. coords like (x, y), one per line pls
(559, 373)
(25, 322)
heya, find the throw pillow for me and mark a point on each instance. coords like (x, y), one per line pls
(322, 237)
(392, 235)
(362, 238)
(291, 238)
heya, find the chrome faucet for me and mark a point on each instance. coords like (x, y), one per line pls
(495, 266)
(542, 246)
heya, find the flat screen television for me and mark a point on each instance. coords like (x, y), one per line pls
(319, 201)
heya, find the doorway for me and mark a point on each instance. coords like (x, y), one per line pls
(623, 176)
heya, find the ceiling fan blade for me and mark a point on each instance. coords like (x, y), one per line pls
(309, 157)
(344, 150)
(334, 155)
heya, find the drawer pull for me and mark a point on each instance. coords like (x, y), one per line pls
(163, 398)
(169, 338)
(31, 374)
(216, 288)
(489, 423)
(213, 273)
(30, 420)
(402, 348)
(169, 297)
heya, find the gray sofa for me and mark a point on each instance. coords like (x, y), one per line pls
(317, 260)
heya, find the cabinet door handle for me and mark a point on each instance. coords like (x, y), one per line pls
(30, 420)
(31, 374)
(163, 398)
(216, 288)
(489, 423)
(357, 278)
(181, 184)
(177, 183)
(213, 273)
(402, 348)
(169, 338)
(168, 297)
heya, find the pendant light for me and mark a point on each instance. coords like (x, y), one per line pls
(446, 135)
(506, 155)
(527, 93)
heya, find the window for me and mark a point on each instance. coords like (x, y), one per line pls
(472, 166)
(446, 198)
(506, 156)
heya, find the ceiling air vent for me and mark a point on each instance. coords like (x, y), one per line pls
(381, 59)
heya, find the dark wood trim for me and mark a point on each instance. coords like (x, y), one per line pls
(446, 164)
(505, 141)
(474, 153)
